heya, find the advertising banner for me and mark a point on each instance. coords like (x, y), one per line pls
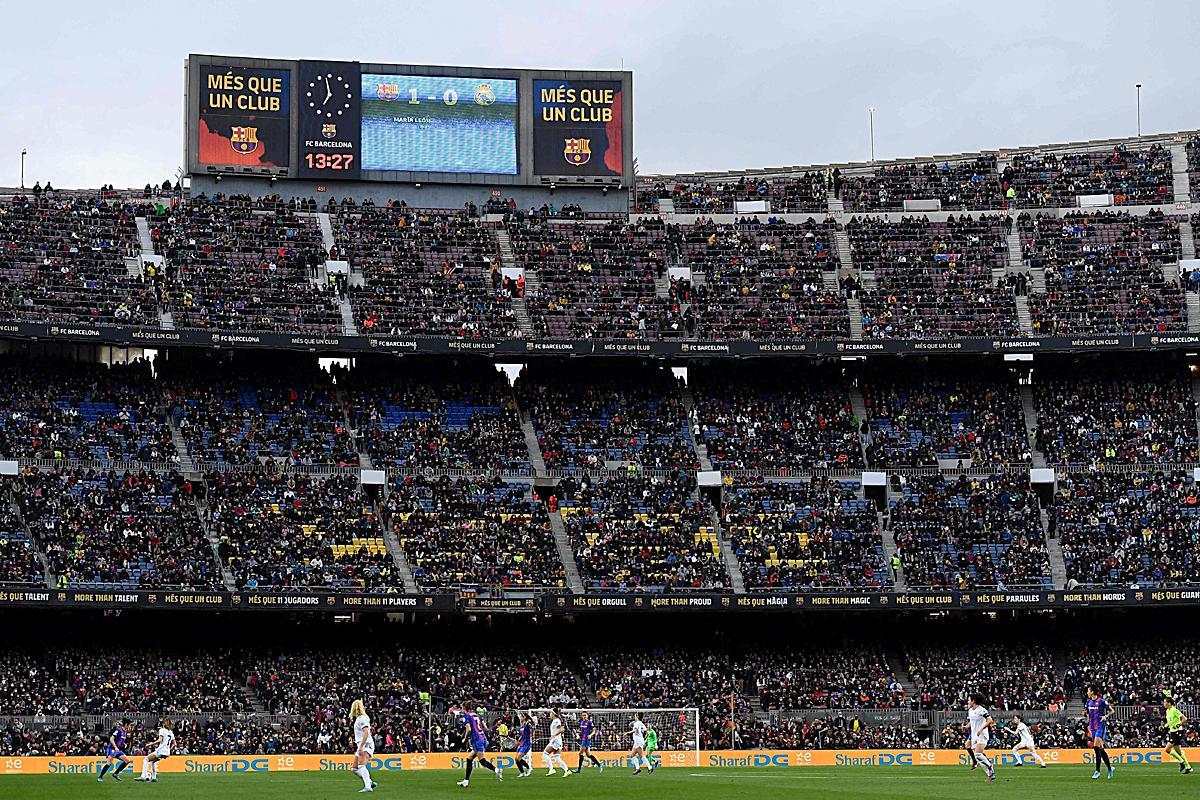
(705, 759)
(245, 116)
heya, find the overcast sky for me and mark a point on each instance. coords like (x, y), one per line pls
(94, 90)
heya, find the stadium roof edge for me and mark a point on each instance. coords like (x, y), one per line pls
(859, 167)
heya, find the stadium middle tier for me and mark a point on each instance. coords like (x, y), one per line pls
(270, 473)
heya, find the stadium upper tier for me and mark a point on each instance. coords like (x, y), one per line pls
(246, 473)
(1089, 240)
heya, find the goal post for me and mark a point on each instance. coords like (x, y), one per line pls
(678, 729)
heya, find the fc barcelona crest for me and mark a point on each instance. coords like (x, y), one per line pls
(387, 91)
(577, 152)
(243, 140)
(329, 130)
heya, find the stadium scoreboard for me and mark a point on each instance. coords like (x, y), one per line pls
(346, 120)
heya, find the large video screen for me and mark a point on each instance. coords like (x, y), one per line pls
(577, 127)
(430, 123)
(245, 116)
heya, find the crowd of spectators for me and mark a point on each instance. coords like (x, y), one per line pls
(587, 417)
(295, 531)
(55, 409)
(599, 279)
(117, 530)
(799, 193)
(426, 273)
(763, 418)
(236, 263)
(435, 416)
(1011, 675)
(933, 279)
(752, 691)
(1055, 180)
(1104, 273)
(804, 536)
(473, 534)
(1139, 529)
(973, 184)
(1122, 412)
(764, 280)
(245, 412)
(643, 534)
(963, 415)
(63, 260)
(969, 533)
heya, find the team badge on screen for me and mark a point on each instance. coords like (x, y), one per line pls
(484, 94)
(243, 140)
(577, 152)
(387, 91)
(329, 130)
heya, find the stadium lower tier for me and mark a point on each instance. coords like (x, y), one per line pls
(234, 688)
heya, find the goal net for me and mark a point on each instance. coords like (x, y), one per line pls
(678, 730)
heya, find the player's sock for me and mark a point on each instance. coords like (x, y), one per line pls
(104, 769)
(523, 765)
(365, 775)
(595, 760)
(549, 763)
(120, 766)
(984, 762)
(153, 770)
(470, 766)
(145, 769)
(483, 762)
(1038, 758)
(580, 767)
(1017, 754)
(646, 762)
(1176, 755)
(1103, 755)
(559, 761)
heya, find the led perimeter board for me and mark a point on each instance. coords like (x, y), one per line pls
(349, 120)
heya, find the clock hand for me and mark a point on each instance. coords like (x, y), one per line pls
(328, 91)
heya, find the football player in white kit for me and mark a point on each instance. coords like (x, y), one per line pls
(552, 755)
(160, 749)
(1024, 742)
(364, 745)
(637, 750)
(979, 724)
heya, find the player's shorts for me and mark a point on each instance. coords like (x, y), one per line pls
(162, 752)
(1027, 744)
(555, 743)
(523, 750)
(1175, 738)
(367, 747)
(478, 744)
(980, 740)
(639, 743)
(1099, 733)
(585, 744)
(112, 752)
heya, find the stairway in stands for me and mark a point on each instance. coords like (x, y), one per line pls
(509, 261)
(1179, 173)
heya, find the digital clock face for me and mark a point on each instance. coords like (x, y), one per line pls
(329, 95)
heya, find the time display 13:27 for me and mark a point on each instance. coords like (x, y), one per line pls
(332, 161)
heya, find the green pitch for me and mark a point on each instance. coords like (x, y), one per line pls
(883, 783)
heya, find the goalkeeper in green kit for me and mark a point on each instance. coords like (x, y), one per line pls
(651, 740)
